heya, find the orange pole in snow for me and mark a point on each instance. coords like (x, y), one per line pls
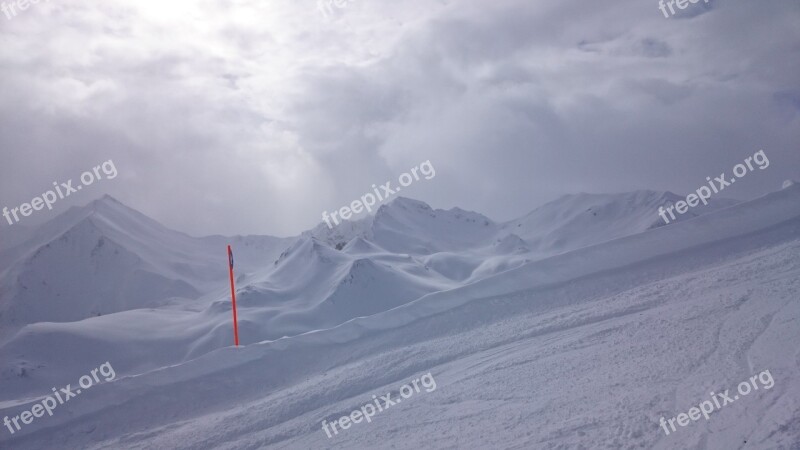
(233, 298)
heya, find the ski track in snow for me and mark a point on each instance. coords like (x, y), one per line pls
(585, 349)
(595, 360)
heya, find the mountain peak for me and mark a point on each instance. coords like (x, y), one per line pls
(408, 203)
(640, 194)
(105, 202)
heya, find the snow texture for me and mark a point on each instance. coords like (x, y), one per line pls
(578, 325)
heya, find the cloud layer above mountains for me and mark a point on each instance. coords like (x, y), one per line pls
(253, 117)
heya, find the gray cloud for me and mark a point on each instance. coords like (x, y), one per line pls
(242, 117)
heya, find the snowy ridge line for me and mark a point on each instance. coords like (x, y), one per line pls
(359, 205)
(703, 193)
(279, 434)
(50, 197)
(526, 277)
(271, 438)
(784, 206)
(139, 264)
(785, 209)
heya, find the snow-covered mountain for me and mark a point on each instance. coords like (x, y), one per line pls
(412, 227)
(580, 342)
(575, 221)
(569, 222)
(105, 258)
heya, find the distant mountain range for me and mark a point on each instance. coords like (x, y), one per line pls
(95, 265)
(105, 258)
(105, 283)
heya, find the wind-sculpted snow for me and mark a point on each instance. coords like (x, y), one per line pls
(574, 221)
(593, 345)
(503, 328)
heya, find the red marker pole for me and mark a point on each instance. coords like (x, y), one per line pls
(233, 297)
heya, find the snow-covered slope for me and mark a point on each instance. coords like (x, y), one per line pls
(410, 226)
(103, 277)
(122, 262)
(590, 347)
(313, 286)
(575, 221)
(105, 258)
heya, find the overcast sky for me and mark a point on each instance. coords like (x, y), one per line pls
(252, 117)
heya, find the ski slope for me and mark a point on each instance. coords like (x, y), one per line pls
(582, 348)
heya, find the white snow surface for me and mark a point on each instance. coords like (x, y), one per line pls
(578, 325)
